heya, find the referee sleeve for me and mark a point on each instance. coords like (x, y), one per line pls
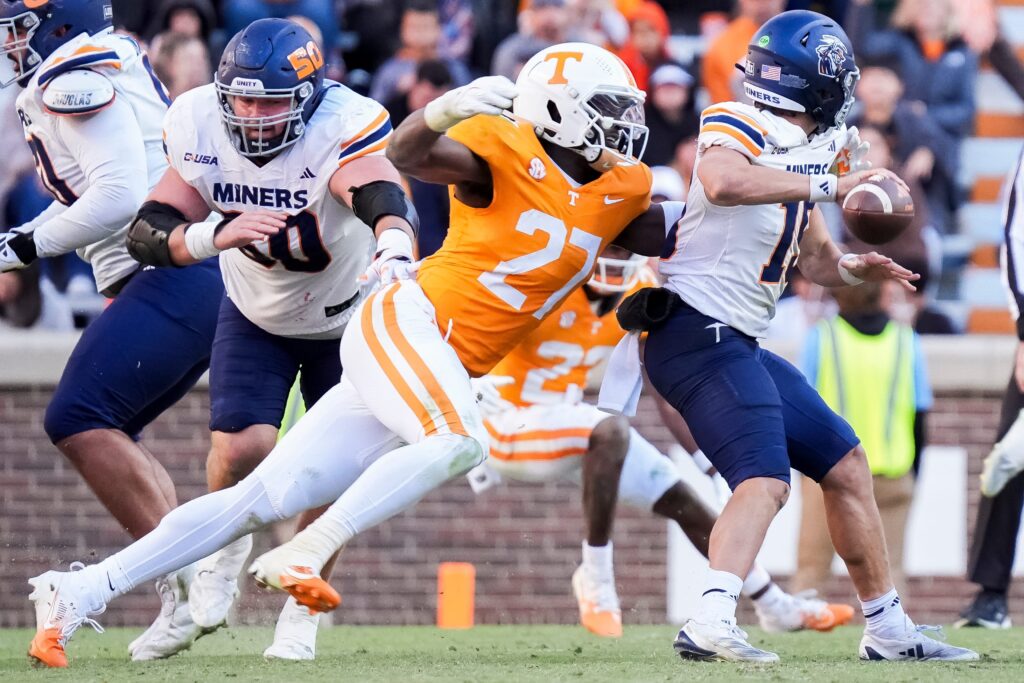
(1013, 256)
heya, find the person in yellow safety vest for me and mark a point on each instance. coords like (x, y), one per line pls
(869, 369)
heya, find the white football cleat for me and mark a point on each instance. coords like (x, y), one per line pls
(598, 603)
(295, 633)
(798, 612)
(913, 645)
(724, 642)
(285, 570)
(1005, 461)
(173, 631)
(215, 586)
(63, 602)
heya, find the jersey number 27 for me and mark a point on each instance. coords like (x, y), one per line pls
(530, 222)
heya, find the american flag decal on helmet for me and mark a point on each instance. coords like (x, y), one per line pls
(771, 73)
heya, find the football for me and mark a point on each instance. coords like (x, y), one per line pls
(878, 210)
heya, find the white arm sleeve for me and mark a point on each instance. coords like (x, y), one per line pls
(109, 148)
(52, 211)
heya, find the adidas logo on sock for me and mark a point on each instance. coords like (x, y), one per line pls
(307, 174)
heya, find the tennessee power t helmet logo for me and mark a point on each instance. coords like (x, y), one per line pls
(831, 55)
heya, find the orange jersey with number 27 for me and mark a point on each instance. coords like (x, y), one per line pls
(503, 268)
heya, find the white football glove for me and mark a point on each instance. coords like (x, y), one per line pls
(483, 477)
(853, 156)
(485, 389)
(488, 95)
(392, 262)
(384, 271)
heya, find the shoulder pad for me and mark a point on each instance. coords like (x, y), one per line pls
(77, 93)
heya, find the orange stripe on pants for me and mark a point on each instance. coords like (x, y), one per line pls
(581, 433)
(448, 412)
(539, 455)
(385, 363)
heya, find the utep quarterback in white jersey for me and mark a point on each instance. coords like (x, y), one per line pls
(294, 167)
(92, 112)
(541, 431)
(750, 213)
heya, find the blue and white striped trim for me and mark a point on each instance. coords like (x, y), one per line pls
(92, 59)
(363, 144)
(725, 119)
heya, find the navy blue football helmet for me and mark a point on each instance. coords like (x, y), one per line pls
(32, 30)
(802, 61)
(269, 59)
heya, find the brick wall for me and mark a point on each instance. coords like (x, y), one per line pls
(523, 539)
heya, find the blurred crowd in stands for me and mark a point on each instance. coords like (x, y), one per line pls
(919, 60)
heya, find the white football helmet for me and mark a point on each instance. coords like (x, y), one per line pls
(584, 98)
(616, 275)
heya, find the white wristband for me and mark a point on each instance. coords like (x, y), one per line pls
(199, 240)
(846, 276)
(394, 243)
(823, 187)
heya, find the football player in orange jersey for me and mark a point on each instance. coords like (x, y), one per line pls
(536, 196)
(541, 430)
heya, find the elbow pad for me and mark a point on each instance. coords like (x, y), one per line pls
(373, 201)
(149, 232)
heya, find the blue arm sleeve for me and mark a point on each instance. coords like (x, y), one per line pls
(922, 387)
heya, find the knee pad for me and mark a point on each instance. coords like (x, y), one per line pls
(287, 495)
(646, 474)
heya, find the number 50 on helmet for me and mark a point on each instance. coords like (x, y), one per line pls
(584, 98)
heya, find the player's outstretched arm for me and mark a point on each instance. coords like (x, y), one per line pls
(108, 147)
(823, 263)
(372, 187)
(729, 179)
(646, 233)
(419, 147)
(171, 227)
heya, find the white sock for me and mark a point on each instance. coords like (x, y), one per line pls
(757, 580)
(884, 614)
(598, 559)
(718, 602)
(396, 481)
(187, 534)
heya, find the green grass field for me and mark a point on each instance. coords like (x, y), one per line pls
(502, 653)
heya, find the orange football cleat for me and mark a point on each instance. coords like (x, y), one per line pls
(63, 603)
(599, 605)
(309, 589)
(833, 615)
(47, 649)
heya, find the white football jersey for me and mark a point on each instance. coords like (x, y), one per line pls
(730, 262)
(301, 282)
(59, 162)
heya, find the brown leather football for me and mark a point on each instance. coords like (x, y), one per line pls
(878, 210)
